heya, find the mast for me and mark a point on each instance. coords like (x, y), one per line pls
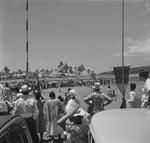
(123, 46)
(27, 58)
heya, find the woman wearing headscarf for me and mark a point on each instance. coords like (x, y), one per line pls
(75, 121)
(73, 102)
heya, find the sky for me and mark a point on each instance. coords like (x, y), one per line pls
(77, 32)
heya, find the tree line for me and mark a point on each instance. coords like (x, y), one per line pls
(62, 68)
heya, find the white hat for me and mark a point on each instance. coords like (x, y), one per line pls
(97, 86)
(73, 92)
(25, 88)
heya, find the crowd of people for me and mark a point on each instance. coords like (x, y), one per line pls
(58, 118)
(62, 117)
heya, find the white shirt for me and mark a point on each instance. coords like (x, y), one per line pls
(147, 85)
(25, 107)
(144, 100)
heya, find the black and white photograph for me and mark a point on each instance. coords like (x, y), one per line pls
(74, 71)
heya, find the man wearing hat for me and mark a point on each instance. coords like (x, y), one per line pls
(27, 108)
(97, 100)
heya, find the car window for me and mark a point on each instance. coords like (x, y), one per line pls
(18, 135)
(5, 138)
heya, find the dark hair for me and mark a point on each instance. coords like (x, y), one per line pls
(60, 98)
(6, 84)
(132, 86)
(144, 74)
(37, 95)
(52, 94)
(25, 92)
(69, 89)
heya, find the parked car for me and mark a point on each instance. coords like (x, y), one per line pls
(121, 126)
(13, 129)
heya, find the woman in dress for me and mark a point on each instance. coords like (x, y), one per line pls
(52, 109)
(41, 126)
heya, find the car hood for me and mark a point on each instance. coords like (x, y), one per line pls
(121, 126)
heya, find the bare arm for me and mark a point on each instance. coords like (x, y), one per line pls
(107, 100)
(88, 99)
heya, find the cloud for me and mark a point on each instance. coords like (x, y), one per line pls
(135, 47)
(147, 5)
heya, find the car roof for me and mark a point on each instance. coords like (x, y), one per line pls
(121, 126)
(4, 119)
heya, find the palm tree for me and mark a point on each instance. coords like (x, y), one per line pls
(88, 71)
(70, 70)
(65, 68)
(36, 71)
(81, 68)
(6, 70)
(75, 69)
(60, 64)
(20, 71)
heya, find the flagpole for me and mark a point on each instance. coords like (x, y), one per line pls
(27, 58)
(123, 49)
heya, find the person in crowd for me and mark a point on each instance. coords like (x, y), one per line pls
(61, 99)
(73, 102)
(134, 100)
(72, 107)
(77, 129)
(66, 95)
(27, 108)
(5, 106)
(97, 100)
(62, 111)
(52, 109)
(7, 92)
(61, 114)
(144, 99)
(41, 125)
(17, 96)
(144, 76)
(76, 126)
(109, 91)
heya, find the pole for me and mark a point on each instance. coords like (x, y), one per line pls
(27, 58)
(123, 102)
